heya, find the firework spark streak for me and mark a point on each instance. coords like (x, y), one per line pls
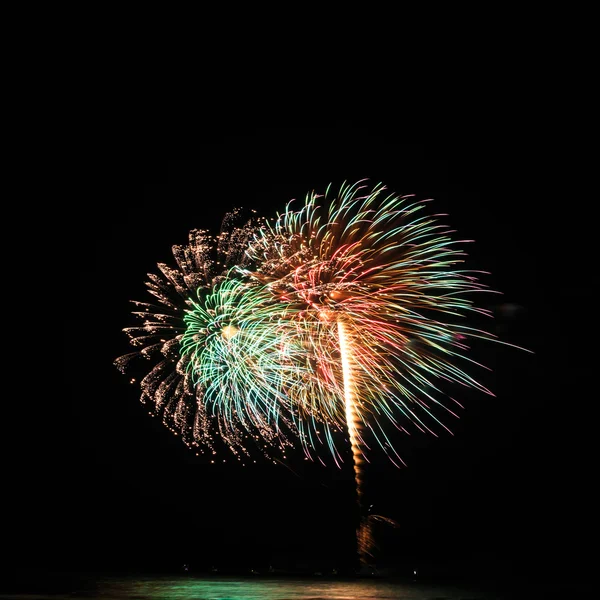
(363, 534)
(349, 402)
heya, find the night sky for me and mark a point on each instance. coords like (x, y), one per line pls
(102, 485)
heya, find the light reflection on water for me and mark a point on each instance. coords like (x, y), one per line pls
(192, 588)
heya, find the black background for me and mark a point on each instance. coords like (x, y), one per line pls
(99, 484)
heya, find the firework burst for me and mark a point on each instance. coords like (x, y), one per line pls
(347, 314)
(370, 271)
(215, 350)
(373, 287)
(240, 363)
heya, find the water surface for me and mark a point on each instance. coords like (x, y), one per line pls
(186, 587)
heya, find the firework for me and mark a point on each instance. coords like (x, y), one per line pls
(375, 287)
(240, 364)
(215, 349)
(347, 315)
(368, 270)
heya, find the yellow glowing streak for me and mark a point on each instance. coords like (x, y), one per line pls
(351, 417)
(229, 331)
(364, 537)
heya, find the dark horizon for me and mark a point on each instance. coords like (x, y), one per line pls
(111, 488)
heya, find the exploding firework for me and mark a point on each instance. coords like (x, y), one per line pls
(215, 348)
(240, 362)
(375, 287)
(347, 315)
(372, 285)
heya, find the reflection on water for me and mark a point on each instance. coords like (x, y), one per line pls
(265, 589)
(209, 588)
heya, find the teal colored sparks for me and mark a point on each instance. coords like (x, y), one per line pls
(236, 353)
